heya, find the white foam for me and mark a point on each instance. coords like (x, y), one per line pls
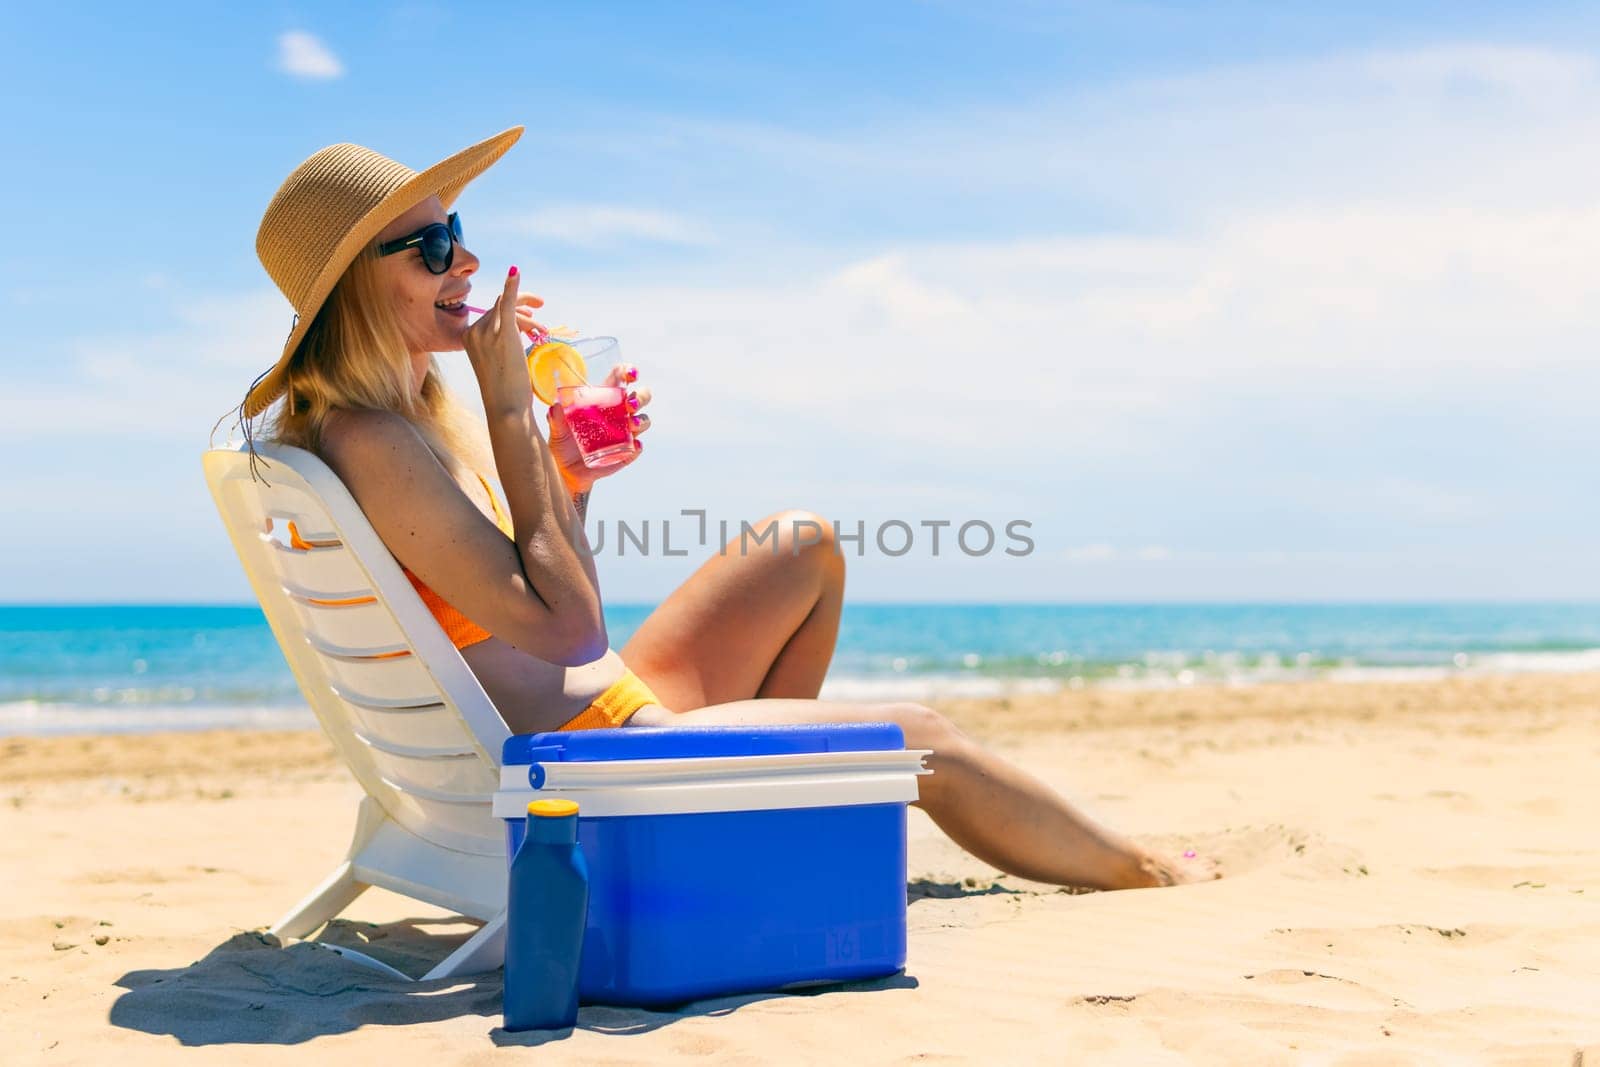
(37, 717)
(931, 687)
(1389, 674)
(1536, 662)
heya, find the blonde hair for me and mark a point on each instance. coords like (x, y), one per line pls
(354, 356)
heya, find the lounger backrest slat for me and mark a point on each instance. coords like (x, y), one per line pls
(329, 573)
(392, 692)
(351, 625)
(420, 728)
(448, 819)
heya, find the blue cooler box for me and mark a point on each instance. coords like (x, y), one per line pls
(728, 859)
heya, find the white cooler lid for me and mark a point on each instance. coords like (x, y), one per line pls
(715, 783)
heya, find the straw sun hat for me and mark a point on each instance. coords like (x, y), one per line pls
(326, 213)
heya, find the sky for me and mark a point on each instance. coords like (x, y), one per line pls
(1224, 302)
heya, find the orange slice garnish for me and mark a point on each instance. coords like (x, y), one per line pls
(549, 358)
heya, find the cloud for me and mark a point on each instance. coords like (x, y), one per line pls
(1355, 317)
(1468, 70)
(1477, 122)
(1125, 348)
(1104, 553)
(1332, 338)
(170, 385)
(608, 226)
(304, 55)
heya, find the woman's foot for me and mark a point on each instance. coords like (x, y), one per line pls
(1151, 871)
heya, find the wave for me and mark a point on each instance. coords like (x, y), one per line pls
(870, 689)
(976, 677)
(49, 719)
(968, 681)
(168, 695)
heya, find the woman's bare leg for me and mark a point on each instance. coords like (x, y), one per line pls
(990, 807)
(760, 621)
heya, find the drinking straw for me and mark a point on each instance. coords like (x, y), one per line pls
(538, 337)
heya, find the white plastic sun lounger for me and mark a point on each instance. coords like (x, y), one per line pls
(391, 691)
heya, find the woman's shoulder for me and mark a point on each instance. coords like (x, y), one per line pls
(361, 439)
(357, 428)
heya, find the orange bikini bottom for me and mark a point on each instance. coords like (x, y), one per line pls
(615, 706)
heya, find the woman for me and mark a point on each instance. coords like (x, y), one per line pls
(369, 255)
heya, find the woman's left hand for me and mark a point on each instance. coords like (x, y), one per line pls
(564, 447)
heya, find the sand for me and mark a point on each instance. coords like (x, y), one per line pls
(1412, 876)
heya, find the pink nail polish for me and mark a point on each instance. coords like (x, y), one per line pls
(635, 420)
(512, 273)
(633, 374)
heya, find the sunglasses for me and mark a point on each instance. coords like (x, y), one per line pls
(437, 241)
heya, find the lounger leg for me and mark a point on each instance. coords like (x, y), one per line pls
(339, 888)
(483, 951)
(327, 900)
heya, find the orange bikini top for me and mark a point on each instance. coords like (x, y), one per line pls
(461, 630)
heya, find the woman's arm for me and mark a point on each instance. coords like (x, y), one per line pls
(554, 554)
(545, 525)
(569, 491)
(532, 591)
(573, 504)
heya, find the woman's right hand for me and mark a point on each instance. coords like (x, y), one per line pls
(494, 347)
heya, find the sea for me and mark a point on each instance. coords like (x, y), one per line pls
(115, 668)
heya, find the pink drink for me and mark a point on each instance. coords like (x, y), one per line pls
(598, 417)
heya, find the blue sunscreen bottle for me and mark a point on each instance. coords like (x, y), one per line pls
(548, 905)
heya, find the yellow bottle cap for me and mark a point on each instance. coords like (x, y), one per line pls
(552, 809)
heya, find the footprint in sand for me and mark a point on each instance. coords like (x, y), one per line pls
(1244, 850)
(1546, 877)
(1384, 942)
(1319, 990)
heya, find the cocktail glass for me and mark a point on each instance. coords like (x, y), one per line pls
(597, 415)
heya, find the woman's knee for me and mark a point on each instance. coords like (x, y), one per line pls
(800, 533)
(927, 729)
(923, 727)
